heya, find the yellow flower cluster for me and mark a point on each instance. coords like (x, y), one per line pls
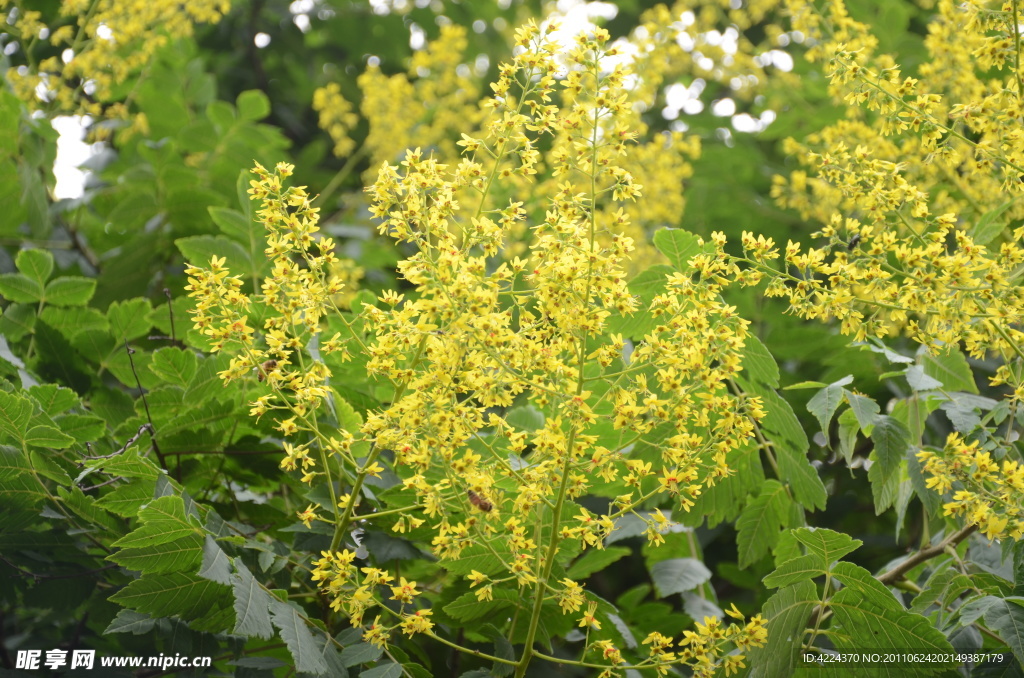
(986, 493)
(485, 334)
(337, 117)
(917, 193)
(105, 43)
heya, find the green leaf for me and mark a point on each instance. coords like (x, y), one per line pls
(252, 105)
(200, 249)
(163, 521)
(360, 653)
(85, 507)
(525, 418)
(787, 613)
(18, 288)
(125, 500)
(47, 468)
(54, 399)
(129, 319)
(467, 608)
(951, 368)
(130, 621)
(795, 570)
(826, 401)
(216, 564)
(891, 439)
(36, 264)
(677, 575)
(305, 650)
(678, 246)
(252, 605)
(181, 555)
(802, 477)
(15, 412)
(866, 623)
(73, 320)
(17, 321)
(69, 291)
(857, 578)
(387, 670)
(206, 383)
(989, 225)
(758, 363)
(864, 408)
(759, 524)
(1006, 618)
(595, 560)
(164, 595)
(48, 437)
(174, 365)
(827, 545)
(83, 428)
(127, 464)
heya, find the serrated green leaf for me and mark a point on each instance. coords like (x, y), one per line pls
(216, 564)
(857, 578)
(826, 401)
(866, 623)
(467, 608)
(525, 418)
(594, 560)
(19, 288)
(787, 613)
(48, 437)
(163, 521)
(677, 575)
(54, 399)
(36, 264)
(82, 427)
(827, 545)
(795, 570)
(129, 319)
(989, 226)
(126, 500)
(759, 524)
(864, 408)
(252, 105)
(206, 383)
(758, 363)
(74, 320)
(164, 595)
(85, 507)
(295, 633)
(678, 246)
(15, 412)
(1006, 618)
(174, 365)
(360, 653)
(69, 291)
(951, 368)
(387, 670)
(181, 555)
(252, 605)
(48, 468)
(130, 621)
(200, 249)
(891, 439)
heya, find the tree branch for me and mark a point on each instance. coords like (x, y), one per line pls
(896, 573)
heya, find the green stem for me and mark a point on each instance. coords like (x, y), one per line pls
(357, 486)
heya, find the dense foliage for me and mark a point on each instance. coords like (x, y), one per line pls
(456, 340)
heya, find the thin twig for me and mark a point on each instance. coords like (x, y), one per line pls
(145, 404)
(896, 573)
(131, 441)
